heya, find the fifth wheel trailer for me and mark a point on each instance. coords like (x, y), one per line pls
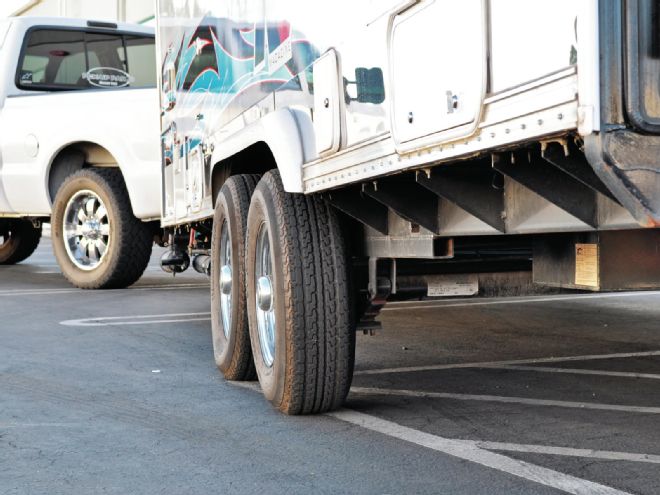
(320, 158)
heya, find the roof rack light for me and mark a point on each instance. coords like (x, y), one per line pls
(101, 24)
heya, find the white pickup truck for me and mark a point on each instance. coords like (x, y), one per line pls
(79, 134)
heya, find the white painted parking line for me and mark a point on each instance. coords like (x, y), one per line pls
(506, 400)
(578, 371)
(39, 425)
(478, 452)
(492, 364)
(605, 455)
(58, 291)
(471, 452)
(460, 303)
(111, 321)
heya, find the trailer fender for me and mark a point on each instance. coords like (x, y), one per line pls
(288, 134)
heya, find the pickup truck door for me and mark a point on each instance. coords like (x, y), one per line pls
(438, 71)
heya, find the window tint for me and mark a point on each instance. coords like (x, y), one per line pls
(59, 59)
(36, 67)
(141, 54)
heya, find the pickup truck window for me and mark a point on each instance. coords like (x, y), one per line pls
(59, 59)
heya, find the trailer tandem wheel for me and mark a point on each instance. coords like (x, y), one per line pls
(229, 321)
(298, 300)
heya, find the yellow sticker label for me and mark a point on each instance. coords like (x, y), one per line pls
(586, 265)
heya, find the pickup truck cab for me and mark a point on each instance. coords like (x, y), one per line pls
(79, 134)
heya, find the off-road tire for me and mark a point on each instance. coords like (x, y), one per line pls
(131, 240)
(21, 239)
(233, 355)
(314, 337)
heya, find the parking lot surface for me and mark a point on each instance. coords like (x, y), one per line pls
(116, 392)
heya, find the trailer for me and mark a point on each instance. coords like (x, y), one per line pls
(322, 158)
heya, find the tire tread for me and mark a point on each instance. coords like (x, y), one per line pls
(133, 239)
(321, 339)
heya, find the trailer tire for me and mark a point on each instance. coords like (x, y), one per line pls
(96, 208)
(20, 238)
(229, 320)
(301, 328)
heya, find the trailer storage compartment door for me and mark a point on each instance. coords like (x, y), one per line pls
(437, 71)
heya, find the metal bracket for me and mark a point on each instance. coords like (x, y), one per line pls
(378, 294)
(362, 208)
(410, 201)
(576, 165)
(550, 183)
(470, 188)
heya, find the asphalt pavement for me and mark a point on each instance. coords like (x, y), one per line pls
(116, 392)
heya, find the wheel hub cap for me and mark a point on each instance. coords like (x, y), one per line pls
(225, 279)
(86, 230)
(264, 293)
(265, 298)
(92, 229)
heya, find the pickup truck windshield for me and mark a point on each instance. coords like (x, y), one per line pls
(60, 59)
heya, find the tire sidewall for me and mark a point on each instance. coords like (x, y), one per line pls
(70, 270)
(262, 210)
(223, 347)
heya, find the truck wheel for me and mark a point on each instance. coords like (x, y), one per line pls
(18, 240)
(97, 241)
(229, 321)
(298, 300)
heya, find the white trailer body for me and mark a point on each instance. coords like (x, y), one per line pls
(433, 124)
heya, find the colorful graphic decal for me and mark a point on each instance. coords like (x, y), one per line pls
(221, 60)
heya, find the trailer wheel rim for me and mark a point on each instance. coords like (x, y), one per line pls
(264, 300)
(86, 230)
(226, 279)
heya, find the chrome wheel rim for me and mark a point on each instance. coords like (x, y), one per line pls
(86, 230)
(226, 279)
(264, 298)
(5, 235)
